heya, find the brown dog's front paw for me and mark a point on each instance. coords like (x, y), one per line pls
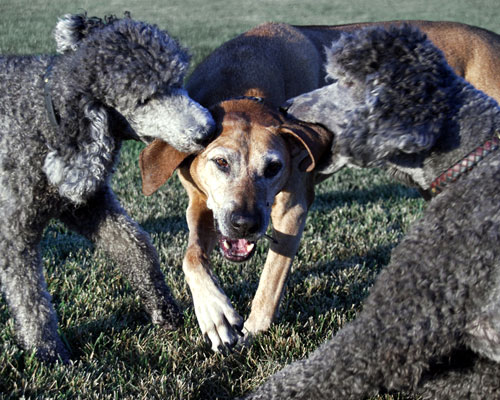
(220, 324)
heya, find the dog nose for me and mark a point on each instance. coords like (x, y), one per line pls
(245, 223)
(205, 136)
(285, 106)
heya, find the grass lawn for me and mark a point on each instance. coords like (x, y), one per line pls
(357, 218)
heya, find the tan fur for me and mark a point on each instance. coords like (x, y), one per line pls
(277, 62)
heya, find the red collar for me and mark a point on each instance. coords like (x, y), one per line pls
(465, 164)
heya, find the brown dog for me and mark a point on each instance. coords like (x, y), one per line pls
(261, 165)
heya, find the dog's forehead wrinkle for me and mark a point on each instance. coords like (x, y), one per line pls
(270, 148)
(220, 151)
(248, 114)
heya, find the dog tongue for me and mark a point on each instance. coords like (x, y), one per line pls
(236, 249)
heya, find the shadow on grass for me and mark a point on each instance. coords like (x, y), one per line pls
(60, 242)
(314, 290)
(332, 199)
(128, 318)
(344, 284)
(167, 224)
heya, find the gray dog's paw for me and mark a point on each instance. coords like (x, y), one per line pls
(168, 317)
(53, 351)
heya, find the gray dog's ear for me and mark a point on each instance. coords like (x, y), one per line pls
(71, 29)
(68, 32)
(157, 162)
(371, 138)
(79, 170)
(315, 139)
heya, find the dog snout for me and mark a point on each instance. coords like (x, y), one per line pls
(245, 223)
(285, 106)
(205, 136)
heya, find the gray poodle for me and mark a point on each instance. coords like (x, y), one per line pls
(62, 121)
(431, 324)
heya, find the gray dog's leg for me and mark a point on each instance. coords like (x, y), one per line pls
(476, 380)
(105, 222)
(25, 291)
(353, 365)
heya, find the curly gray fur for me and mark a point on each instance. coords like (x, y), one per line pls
(129, 66)
(432, 320)
(112, 78)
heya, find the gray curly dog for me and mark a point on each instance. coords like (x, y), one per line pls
(431, 324)
(62, 121)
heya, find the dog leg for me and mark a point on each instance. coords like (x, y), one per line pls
(219, 322)
(103, 221)
(288, 216)
(470, 381)
(25, 290)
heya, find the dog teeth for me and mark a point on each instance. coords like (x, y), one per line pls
(249, 247)
(226, 244)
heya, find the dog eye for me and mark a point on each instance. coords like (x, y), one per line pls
(272, 169)
(222, 164)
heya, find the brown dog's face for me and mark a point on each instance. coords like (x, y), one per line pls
(241, 172)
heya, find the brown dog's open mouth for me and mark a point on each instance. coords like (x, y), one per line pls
(236, 250)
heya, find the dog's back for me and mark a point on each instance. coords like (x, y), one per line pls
(473, 52)
(275, 61)
(279, 61)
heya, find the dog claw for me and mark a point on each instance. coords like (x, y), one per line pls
(221, 349)
(245, 341)
(207, 340)
(239, 328)
(230, 346)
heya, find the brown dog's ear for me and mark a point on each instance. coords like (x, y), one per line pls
(158, 161)
(314, 138)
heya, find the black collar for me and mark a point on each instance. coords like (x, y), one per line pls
(253, 98)
(49, 104)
